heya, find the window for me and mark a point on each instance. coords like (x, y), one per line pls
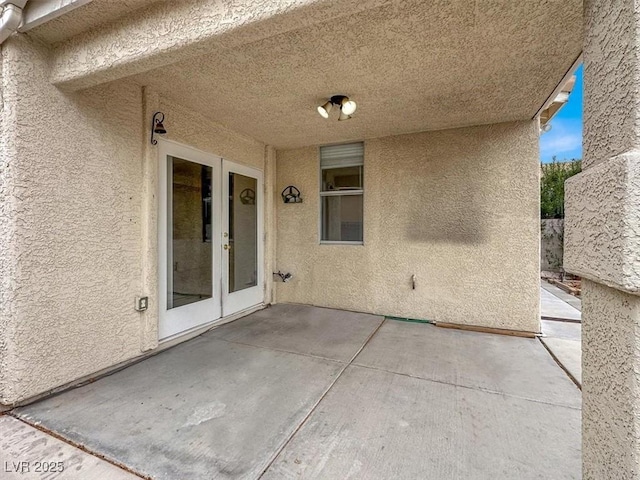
(341, 191)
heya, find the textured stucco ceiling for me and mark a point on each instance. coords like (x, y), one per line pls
(411, 65)
(86, 17)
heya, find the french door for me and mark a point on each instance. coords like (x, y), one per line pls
(242, 251)
(210, 238)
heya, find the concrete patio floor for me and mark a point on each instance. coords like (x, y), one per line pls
(553, 306)
(562, 328)
(572, 300)
(298, 392)
(564, 341)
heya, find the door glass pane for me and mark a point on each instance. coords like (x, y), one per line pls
(342, 218)
(243, 230)
(190, 266)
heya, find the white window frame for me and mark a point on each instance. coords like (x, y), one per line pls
(341, 193)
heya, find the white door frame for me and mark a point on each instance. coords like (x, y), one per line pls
(180, 320)
(175, 322)
(248, 297)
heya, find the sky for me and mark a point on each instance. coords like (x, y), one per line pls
(564, 140)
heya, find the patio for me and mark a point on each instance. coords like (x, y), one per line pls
(303, 392)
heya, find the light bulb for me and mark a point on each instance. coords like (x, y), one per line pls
(324, 110)
(348, 106)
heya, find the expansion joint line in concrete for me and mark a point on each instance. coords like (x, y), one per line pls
(313, 409)
(564, 369)
(468, 387)
(559, 319)
(261, 347)
(79, 446)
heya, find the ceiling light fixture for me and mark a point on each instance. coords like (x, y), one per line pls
(347, 107)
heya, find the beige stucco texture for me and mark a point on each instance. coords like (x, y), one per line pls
(457, 208)
(602, 241)
(610, 383)
(611, 80)
(193, 129)
(261, 67)
(187, 28)
(602, 234)
(410, 65)
(78, 220)
(70, 236)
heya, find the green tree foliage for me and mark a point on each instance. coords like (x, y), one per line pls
(554, 175)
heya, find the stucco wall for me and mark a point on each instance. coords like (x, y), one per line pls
(190, 128)
(70, 236)
(458, 208)
(611, 388)
(602, 228)
(78, 220)
(602, 241)
(611, 80)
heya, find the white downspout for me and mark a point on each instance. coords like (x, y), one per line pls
(11, 17)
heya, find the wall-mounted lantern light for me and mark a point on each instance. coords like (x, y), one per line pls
(157, 126)
(291, 195)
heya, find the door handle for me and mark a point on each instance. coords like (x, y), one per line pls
(227, 247)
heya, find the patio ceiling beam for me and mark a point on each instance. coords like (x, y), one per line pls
(41, 11)
(164, 33)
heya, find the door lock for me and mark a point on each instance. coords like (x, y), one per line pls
(227, 247)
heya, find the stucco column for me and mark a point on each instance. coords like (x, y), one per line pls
(149, 221)
(270, 222)
(602, 240)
